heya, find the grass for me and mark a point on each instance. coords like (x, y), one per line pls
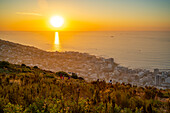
(30, 89)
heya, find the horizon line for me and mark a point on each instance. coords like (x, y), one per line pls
(88, 31)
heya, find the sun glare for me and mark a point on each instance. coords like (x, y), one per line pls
(57, 21)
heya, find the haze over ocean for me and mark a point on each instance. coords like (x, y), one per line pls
(147, 50)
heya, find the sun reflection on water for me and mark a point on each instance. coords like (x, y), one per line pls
(57, 42)
(56, 38)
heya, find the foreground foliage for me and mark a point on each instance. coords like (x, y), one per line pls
(30, 89)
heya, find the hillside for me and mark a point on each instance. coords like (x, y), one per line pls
(31, 89)
(87, 66)
(90, 67)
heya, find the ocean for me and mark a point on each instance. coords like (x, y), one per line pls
(146, 50)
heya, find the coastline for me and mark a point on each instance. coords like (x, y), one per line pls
(129, 49)
(90, 67)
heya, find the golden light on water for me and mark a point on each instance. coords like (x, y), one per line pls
(56, 42)
(56, 38)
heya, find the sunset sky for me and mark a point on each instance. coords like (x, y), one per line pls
(86, 15)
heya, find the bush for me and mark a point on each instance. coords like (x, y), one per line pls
(23, 65)
(35, 67)
(49, 76)
(4, 64)
(28, 67)
(80, 78)
(11, 108)
(74, 75)
(62, 73)
(38, 90)
(149, 94)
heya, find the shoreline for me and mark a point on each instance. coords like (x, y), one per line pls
(127, 50)
(90, 67)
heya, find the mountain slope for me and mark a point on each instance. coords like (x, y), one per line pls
(30, 89)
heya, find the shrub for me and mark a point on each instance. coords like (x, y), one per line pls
(117, 109)
(23, 65)
(28, 67)
(49, 76)
(80, 78)
(74, 75)
(62, 73)
(33, 91)
(4, 64)
(11, 108)
(35, 67)
(149, 94)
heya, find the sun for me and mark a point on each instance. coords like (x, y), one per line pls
(57, 21)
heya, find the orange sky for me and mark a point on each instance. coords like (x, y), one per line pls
(86, 15)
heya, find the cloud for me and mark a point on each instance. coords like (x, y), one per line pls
(42, 7)
(24, 13)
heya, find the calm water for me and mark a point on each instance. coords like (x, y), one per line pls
(147, 50)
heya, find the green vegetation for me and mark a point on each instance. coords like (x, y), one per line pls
(29, 89)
